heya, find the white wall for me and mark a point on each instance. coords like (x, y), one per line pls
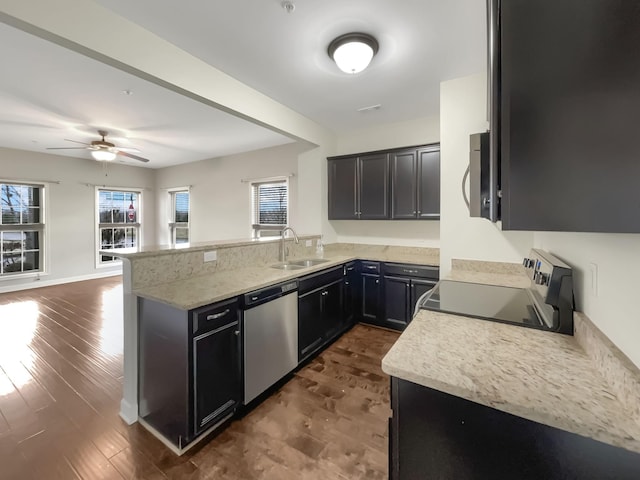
(220, 201)
(388, 232)
(463, 112)
(613, 307)
(70, 210)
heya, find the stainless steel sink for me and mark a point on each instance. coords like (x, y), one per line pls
(287, 266)
(308, 262)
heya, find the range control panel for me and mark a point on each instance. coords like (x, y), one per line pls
(547, 273)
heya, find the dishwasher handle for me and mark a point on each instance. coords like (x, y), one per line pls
(258, 297)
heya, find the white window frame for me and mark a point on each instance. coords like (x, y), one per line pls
(173, 225)
(137, 224)
(267, 230)
(40, 227)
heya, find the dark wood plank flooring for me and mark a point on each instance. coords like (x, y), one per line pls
(60, 389)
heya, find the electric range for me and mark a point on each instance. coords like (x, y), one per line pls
(547, 303)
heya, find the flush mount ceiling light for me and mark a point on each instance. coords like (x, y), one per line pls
(353, 52)
(103, 155)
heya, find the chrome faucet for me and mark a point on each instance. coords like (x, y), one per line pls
(283, 250)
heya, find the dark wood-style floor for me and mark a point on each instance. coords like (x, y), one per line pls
(60, 389)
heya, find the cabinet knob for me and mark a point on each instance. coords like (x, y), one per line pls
(414, 212)
(236, 333)
(346, 283)
(325, 293)
(377, 281)
(419, 212)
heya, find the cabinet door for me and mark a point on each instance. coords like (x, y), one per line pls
(343, 188)
(350, 295)
(373, 185)
(429, 184)
(217, 382)
(310, 324)
(332, 309)
(370, 301)
(396, 305)
(404, 184)
(418, 288)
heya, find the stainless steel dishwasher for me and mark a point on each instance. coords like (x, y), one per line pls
(270, 336)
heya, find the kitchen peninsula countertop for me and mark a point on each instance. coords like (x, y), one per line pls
(541, 376)
(203, 290)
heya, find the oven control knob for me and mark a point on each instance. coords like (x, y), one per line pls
(542, 279)
(527, 262)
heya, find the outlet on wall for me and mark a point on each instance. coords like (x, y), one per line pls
(210, 256)
(308, 243)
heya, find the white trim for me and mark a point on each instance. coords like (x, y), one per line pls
(96, 223)
(37, 283)
(128, 412)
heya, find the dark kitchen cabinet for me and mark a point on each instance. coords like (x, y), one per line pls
(371, 301)
(320, 310)
(359, 187)
(403, 286)
(373, 185)
(190, 370)
(350, 303)
(343, 188)
(216, 373)
(390, 184)
(436, 435)
(415, 183)
(565, 114)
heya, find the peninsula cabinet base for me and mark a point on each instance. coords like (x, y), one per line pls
(433, 435)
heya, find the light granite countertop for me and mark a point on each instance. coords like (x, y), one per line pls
(203, 290)
(541, 376)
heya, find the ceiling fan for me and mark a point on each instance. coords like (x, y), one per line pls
(103, 150)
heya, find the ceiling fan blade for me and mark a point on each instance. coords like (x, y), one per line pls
(135, 157)
(127, 149)
(75, 141)
(67, 148)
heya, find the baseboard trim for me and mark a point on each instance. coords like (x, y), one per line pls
(58, 281)
(128, 412)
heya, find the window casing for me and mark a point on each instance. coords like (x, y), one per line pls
(22, 231)
(118, 221)
(180, 202)
(269, 207)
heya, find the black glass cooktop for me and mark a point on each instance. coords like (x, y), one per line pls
(489, 302)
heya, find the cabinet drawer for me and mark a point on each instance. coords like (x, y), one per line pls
(406, 270)
(214, 316)
(370, 267)
(317, 280)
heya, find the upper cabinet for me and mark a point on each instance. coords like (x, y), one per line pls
(393, 184)
(359, 187)
(565, 113)
(415, 183)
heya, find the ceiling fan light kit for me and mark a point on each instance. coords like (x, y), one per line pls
(353, 52)
(104, 151)
(103, 155)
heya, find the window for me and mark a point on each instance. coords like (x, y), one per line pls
(118, 221)
(21, 228)
(270, 205)
(179, 216)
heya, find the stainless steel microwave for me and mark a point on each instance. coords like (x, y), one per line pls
(484, 179)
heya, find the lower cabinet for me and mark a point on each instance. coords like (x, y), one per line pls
(190, 372)
(320, 310)
(389, 291)
(350, 294)
(436, 435)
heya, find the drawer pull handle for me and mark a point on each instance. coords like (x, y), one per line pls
(409, 271)
(371, 267)
(215, 316)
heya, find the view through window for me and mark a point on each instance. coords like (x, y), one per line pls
(21, 228)
(179, 223)
(270, 205)
(118, 221)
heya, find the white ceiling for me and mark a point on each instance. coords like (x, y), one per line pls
(48, 93)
